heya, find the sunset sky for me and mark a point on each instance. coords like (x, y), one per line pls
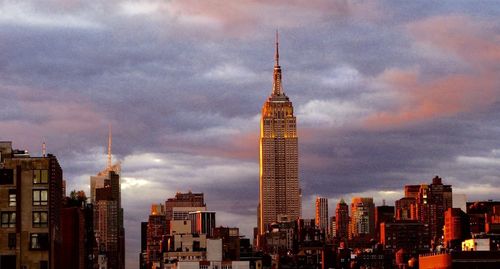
(385, 94)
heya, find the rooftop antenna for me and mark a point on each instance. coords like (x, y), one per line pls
(44, 149)
(109, 147)
(383, 202)
(277, 54)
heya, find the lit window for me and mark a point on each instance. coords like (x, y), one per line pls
(40, 219)
(12, 197)
(8, 219)
(40, 176)
(39, 241)
(40, 197)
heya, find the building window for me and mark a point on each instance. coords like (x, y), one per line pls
(12, 241)
(12, 197)
(8, 219)
(39, 241)
(40, 219)
(40, 197)
(40, 176)
(6, 176)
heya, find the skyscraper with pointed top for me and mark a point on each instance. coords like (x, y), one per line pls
(105, 195)
(279, 197)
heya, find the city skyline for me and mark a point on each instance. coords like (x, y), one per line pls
(385, 95)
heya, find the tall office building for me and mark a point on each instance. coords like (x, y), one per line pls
(322, 214)
(30, 209)
(431, 203)
(362, 217)
(342, 220)
(279, 194)
(105, 194)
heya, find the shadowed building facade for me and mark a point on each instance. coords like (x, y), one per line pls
(279, 196)
(30, 210)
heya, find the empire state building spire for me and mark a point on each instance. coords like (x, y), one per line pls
(277, 89)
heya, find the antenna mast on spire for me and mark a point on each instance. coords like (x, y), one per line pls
(277, 55)
(109, 148)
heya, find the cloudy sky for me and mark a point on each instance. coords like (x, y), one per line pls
(385, 94)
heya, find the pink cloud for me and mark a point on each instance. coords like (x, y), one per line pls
(244, 17)
(42, 115)
(422, 98)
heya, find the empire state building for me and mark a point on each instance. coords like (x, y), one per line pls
(279, 197)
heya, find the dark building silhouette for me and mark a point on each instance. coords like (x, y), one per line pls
(342, 220)
(409, 235)
(230, 242)
(456, 228)
(78, 239)
(385, 214)
(483, 215)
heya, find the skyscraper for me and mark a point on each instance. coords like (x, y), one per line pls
(108, 215)
(322, 214)
(431, 203)
(279, 174)
(342, 220)
(362, 217)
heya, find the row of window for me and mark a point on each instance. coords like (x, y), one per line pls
(38, 241)
(40, 197)
(8, 219)
(40, 176)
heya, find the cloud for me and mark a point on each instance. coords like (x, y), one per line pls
(424, 96)
(27, 14)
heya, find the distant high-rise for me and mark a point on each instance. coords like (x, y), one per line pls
(362, 217)
(342, 220)
(432, 201)
(105, 194)
(279, 165)
(322, 214)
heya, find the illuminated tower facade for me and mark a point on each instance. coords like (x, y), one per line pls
(322, 213)
(279, 197)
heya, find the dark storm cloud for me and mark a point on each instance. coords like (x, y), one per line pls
(386, 94)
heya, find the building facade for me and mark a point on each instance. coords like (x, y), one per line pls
(362, 217)
(202, 222)
(342, 220)
(30, 209)
(279, 194)
(322, 214)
